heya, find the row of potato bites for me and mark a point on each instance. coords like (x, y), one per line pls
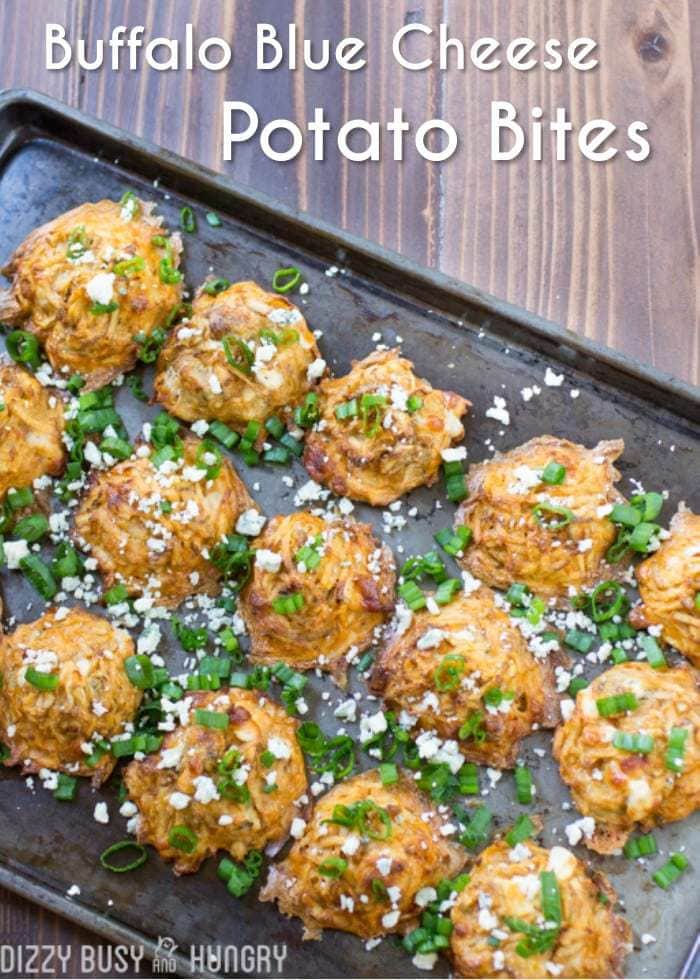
(373, 856)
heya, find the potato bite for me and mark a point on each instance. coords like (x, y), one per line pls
(532, 912)
(538, 515)
(64, 686)
(31, 429)
(244, 355)
(363, 858)
(153, 528)
(227, 778)
(92, 280)
(630, 751)
(382, 430)
(669, 586)
(467, 673)
(318, 592)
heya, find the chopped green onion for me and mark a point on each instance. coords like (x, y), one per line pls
(413, 404)
(130, 204)
(285, 280)
(523, 785)
(648, 504)
(545, 514)
(121, 847)
(388, 773)
(550, 897)
(633, 742)
(66, 563)
(454, 542)
(41, 679)
(446, 591)
(118, 593)
(347, 410)
(212, 468)
(553, 473)
(306, 414)
(616, 704)
(637, 847)
(618, 656)
(520, 831)
(653, 651)
(670, 871)
(675, 750)
(448, 673)
(19, 499)
(140, 671)
(215, 286)
(149, 344)
(188, 222)
(242, 358)
(602, 610)
(211, 719)
(115, 447)
(517, 594)
(626, 515)
(227, 437)
(31, 528)
(373, 820)
(494, 697)
(412, 596)
(39, 576)
(468, 778)
(473, 728)
(643, 536)
(333, 867)
(579, 640)
(99, 309)
(168, 273)
(66, 788)
(213, 219)
(478, 829)
(287, 605)
(129, 267)
(23, 348)
(275, 427)
(577, 684)
(183, 839)
(78, 243)
(455, 481)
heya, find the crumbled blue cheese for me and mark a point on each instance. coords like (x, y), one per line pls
(100, 288)
(250, 523)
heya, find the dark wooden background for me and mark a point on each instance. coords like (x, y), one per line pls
(609, 250)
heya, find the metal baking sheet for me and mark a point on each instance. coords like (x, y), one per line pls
(53, 158)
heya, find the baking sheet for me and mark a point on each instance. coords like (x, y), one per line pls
(52, 159)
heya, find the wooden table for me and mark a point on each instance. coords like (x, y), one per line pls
(609, 249)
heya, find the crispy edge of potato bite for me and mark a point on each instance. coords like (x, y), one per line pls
(342, 594)
(143, 779)
(669, 581)
(506, 536)
(630, 773)
(17, 302)
(588, 922)
(215, 317)
(104, 488)
(355, 464)
(28, 423)
(403, 668)
(95, 630)
(296, 896)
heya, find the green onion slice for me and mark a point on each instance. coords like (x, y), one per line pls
(183, 839)
(638, 742)
(238, 354)
(41, 679)
(333, 867)
(552, 517)
(287, 279)
(616, 704)
(23, 348)
(124, 847)
(448, 673)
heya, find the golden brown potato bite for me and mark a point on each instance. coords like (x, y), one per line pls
(669, 586)
(88, 282)
(505, 896)
(623, 766)
(31, 429)
(153, 528)
(365, 855)
(551, 536)
(227, 778)
(468, 671)
(245, 354)
(382, 430)
(338, 581)
(64, 686)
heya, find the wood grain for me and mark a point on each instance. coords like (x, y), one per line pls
(609, 250)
